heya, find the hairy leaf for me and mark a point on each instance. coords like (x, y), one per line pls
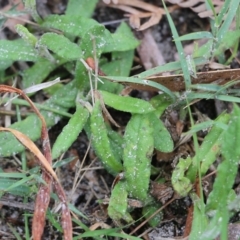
(126, 104)
(17, 50)
(226, 173)
(181, 184)
(61, 45)
(117, 208)
(138, 149)
(162, 138)
(70, 131)
(101, 143)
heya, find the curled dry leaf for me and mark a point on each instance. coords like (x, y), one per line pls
(149, 11)
(198, 6)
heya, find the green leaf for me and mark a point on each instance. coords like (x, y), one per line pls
(160, 103)
(98, 36)
(184, 67)
(116, 141)
(31, 126)
(228, 18)
(137, 153)
(17, 50)
(26, 35)
(126, 104)
(15, 187)
(70, 25)
(38, 72)
(162, 138)
(70, 131)
(200, 220)
(61, 46)
(226, 172)
(209, 149)
(81, 8)
(101, 143)
(120, 64)
(30, 6)
(228, 41)
(122, 40)
(194, 36)
(181, 184)
(147, 211)
(117, 208)
(141, 82)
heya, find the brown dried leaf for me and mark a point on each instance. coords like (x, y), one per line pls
(66, 216)
(28, 143)
(201, 8)
(149, 52)
(41, 205)
(176, 82)
(155, 13)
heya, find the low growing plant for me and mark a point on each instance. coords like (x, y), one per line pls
(78, 45)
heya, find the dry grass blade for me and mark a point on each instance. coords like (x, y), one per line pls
(27, 142)
(152, 12)
(66, 217)
(176, 82)
(41, 204)
(45, 160)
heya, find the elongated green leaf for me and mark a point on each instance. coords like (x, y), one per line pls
(181, 184)
(81, 8)
(200, 220)
(70, 131)
(126, 104)
(97, 37)
(160, 103)
(15, 187)
(38, 72)
(228, 41)
(117, 208)
(193, 36)
(138, 149)
(172, 66)
(187, 78)
(61, 46)
(30, 6)
(70, 25)
(226, 173)
(228, 20)
(209, 149)
(123, 40)
(17, 50)
(26, 35)
(141, 82)
(162, 138)
(101, 143)
(116, 141)
(151, 209)
(31, 126)
(120, 64)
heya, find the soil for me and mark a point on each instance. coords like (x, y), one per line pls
(95, 181)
